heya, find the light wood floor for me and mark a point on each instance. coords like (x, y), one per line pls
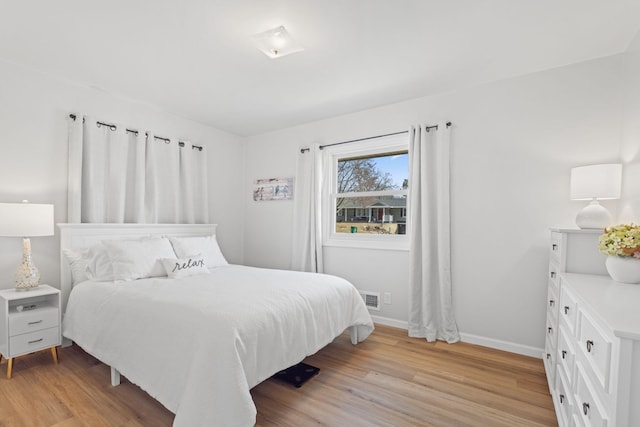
(388, 380)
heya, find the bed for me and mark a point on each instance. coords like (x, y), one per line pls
(199, 343)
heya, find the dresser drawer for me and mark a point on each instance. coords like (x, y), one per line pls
(597, 347)
(590, 409)
(34, 341)
(552, 304)
(552, 332)
(568, 310)
(555, 246)
(563, 400)
(549, 359)
(33, 320)
(566, 355)
(554, 275)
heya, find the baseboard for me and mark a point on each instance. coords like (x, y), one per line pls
(472, 339)
(390, 322)
(502, 345)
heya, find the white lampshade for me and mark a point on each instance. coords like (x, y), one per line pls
(598, 182)
(595, 182)
(26, 219)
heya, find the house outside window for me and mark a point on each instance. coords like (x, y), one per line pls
(365, 197)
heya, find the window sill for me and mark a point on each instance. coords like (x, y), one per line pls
(365, 242)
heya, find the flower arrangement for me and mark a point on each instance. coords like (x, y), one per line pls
(621, 240)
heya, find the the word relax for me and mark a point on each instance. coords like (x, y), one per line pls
(189, 264)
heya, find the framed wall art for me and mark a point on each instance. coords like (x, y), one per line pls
(273, 189)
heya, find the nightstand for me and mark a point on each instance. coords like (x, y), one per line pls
(29, 322)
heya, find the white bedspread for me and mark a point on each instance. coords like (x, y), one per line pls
(198, 344)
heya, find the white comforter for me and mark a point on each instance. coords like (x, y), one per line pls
(198, 344)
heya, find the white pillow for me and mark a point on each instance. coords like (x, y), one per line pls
(139, 258)
(78, 263)
(183, 267)
(99, 264)
(207, 246)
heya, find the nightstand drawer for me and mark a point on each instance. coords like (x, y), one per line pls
(34, 341)
(33, 320)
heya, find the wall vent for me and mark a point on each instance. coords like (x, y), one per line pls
(371, 299)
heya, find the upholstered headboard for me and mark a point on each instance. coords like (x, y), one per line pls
(78, 236)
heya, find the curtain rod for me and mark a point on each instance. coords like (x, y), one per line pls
(114, 127)
(304, 150)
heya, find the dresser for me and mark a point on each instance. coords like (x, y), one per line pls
(592, 346)
(29, 322)
(570, 251)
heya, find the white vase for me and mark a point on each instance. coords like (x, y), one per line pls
(623, 269)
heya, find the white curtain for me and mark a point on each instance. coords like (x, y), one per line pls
(430, 301)
(307, 239)
(116, 176)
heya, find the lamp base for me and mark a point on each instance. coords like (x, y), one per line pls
(27, 276)
(32, 288)
(594, 215)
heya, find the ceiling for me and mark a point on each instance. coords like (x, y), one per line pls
(195, 58)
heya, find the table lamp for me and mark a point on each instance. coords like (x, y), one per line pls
(26, 220)
(595, 182)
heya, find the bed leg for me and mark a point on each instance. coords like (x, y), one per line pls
(353, 331)
(115, 377)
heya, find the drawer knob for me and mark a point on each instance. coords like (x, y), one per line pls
(35, 323)
(585, 408)
(566, 309)
(589, 345)
(551, 302)
(35, 341)
(564, 353)
(561, 398)
(553, 274)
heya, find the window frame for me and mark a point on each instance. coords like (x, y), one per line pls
(331, 155)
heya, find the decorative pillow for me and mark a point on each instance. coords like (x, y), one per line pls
(183, 267)
(207, 246)
(78, 263)
(139, 258)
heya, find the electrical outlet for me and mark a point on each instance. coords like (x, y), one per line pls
(387, 297)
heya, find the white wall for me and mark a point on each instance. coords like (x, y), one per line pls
(33, 160)
(630, 203)
(513, 145)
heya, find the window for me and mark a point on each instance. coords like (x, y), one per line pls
(365, 201)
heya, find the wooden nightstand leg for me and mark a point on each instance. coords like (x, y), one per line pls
(54, 354)
(9, 367)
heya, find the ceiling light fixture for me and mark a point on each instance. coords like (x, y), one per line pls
(276, 43)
